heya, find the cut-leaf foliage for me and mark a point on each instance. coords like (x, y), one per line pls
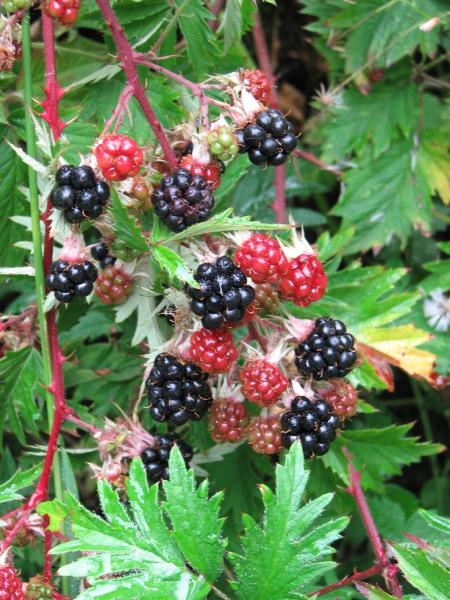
(285, 554)
(20, 480)
(125, 227)
(426, 575)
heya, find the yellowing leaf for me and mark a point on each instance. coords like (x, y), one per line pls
(435, 164)
(399, 345)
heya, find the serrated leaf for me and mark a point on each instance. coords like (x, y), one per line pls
(20, 480)
(196, 525)
(17, 271)
(136, 545)
(373, 593)
(281, 557)
(378, 453)
(232, 22)
(173, 264)
(218, 224)
(435, 163)
(429, 577)
(125, 227)
(29, 160)
(438, 522)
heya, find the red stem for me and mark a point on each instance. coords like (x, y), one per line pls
(357, 576)
(316, 161)
(53, 91)
(279, 204)
(126, 56)
(389, 569)
(255, 334)
(119, 112)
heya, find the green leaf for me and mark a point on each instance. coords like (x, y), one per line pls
(378, 453)
(147, 558)
(385, 197)
(20, 480)
(438, 522)
(55, 511)
(232, 22)
(373, 593)
(281, 557)
(194, 518)
(20, 375)
(173, 264)
(218, 224)
(429, 577)
(125, 227)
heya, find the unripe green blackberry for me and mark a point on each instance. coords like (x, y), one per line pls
(119, 249)
(222, 143)
(38, 589)
(13, 5)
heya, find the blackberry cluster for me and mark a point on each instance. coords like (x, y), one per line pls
(100, 252)
(329, 351)
(177, 391)
(223, 296)
(79, 194)
(156, 459)
(269, 140)
(68, 280)
(182, 199)
(314, 424)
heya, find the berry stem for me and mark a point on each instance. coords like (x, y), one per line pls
(119, 112)
(262, 52)
(257, 336)
(349, 580)
(126, 57)
(317, 162)
(389, 569)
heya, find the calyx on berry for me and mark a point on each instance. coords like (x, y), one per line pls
(118, 157)
(327, 352)
(223, 295)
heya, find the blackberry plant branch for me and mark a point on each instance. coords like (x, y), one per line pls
(53, 91)
(389, 569)
(127, 59)
(349, 580)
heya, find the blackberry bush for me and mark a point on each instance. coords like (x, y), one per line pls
(182, 200)
(329, 351)
(79, 193)
(223, 295)
(313, 424)
(177, 391)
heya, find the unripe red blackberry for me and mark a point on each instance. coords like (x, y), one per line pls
(118, 157)
(262, 382)
(177, 391)
(258, 85)
(38, 589)
(341, 396)
(222, 143)
(68, 280)
(65, 11)
(156, 458)
(182, 200)
(11, 587)
(227, 421)
(269, 140)
(223, 296)
(266, 300)
(212, 351)
(210, 172)
(328, 352)
(305, 280)
(79, 194)
(262, 259)
(113, 285)
(313, 424)
(264, 434)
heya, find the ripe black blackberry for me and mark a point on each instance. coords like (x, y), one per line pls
(182, 199)
(100, 252)
(79, 194)
(269, 140)
(156, 459)
(68, 280)
(329, 351)
(223, 295)
(313, 424)
(177, 391)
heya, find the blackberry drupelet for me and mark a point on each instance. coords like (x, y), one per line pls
(68, 280)
(223, 295)
(313, 424)
(79, 194)
(177, 391)
(182, 199)
(329, 351)
(269, 140)
(156, 459)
